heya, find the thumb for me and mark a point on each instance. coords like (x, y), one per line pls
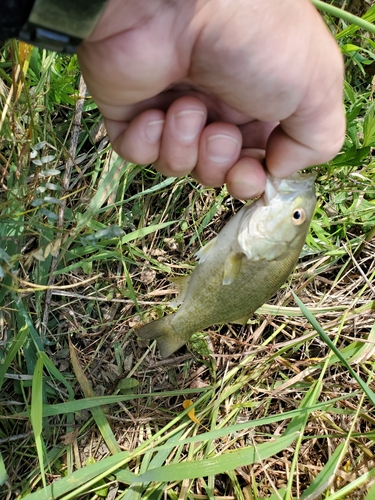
(289, 149)
(314, 133)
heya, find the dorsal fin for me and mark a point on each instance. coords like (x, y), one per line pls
(205, 251)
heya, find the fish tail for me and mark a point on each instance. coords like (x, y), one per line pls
(166, 337)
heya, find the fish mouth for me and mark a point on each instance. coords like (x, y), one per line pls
(288, 187)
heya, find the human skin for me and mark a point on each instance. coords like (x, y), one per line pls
(211, 87)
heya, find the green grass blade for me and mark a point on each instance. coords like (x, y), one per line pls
(97, 412)
(325, 476)
(55, 372)
(344, 493)
(144, 231)
(16, 345)
(300, 420)
(350, 30)
(298, 424)
(312, 320)
(161, 186)
(82, 476)
(107, 185)
(209, 216)
(3, 472)
(88, 403)
(157, 461)
(22, 312)
(342, 14)
(371, 493)
(294, 312)
(36, 413)
(219, 464)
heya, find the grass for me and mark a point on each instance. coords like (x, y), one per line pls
(88, 243)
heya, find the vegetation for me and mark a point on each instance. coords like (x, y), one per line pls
(281, 408)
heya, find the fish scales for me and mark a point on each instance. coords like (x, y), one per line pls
(239, 299)
(244, 266)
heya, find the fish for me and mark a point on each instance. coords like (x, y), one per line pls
(243, 266)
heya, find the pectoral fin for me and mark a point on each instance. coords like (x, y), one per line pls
(232, 267)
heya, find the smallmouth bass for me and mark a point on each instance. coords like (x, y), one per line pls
(243, 266)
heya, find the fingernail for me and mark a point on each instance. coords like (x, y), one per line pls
(154, 130)
(189, 123)
(221, 148)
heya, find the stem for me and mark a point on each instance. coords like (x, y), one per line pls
(346, 16)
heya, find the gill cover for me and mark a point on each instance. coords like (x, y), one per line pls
(282, 214)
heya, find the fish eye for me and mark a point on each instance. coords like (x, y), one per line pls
(299, 216)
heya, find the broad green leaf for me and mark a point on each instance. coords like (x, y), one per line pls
(349, 47)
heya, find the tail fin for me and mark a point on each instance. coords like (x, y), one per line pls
(167, 339)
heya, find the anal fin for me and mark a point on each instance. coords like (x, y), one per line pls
(160, 330)
(241, 321)
(181, 283)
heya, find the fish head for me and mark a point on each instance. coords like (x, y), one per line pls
(279, 219)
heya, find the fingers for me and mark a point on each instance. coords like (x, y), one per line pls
(178, 142)
(179, 148)
(138, 141)
(219, 149)
(247, 178)
(168, 140)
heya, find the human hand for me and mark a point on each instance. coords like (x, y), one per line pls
(212, 87)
